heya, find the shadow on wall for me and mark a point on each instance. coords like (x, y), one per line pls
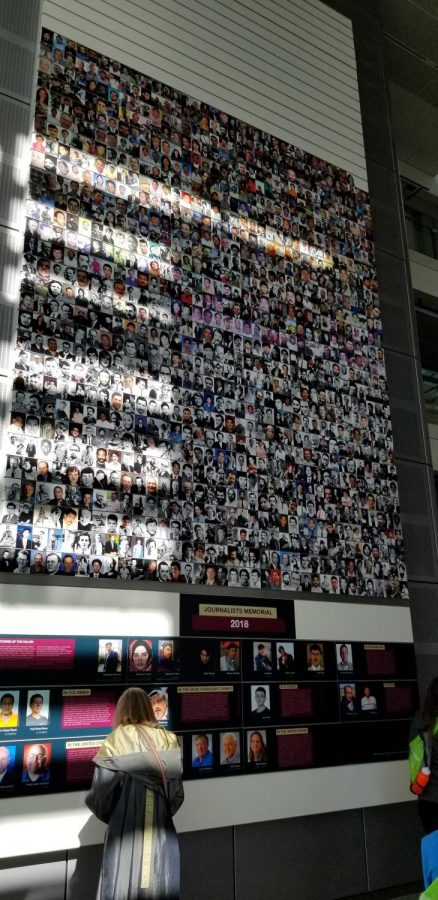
(50, 892)
(11, 247)
(42, 881)
(83, 866)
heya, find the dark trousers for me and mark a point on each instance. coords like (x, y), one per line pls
(429, 815)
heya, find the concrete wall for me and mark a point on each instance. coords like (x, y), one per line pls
(424, 273)
(433, 435)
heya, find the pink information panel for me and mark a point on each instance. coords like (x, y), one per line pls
(37, 653)
(87, 708)
(79, 766)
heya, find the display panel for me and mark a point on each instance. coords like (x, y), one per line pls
(199, 391)
(375, 742)
(215, 704)
(238, 705)
(204, 614)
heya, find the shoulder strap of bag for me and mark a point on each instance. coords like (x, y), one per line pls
(428, 742)
(416, 759)
(158, 759)
(427, 748)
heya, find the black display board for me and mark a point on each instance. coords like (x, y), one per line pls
(245, 703)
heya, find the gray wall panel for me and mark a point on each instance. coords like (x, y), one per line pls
(414, 488)
(6, 323)
(403, 377)
(406, 426)
(377, 135)
(273, 859)
(12, 193)
(369, 57)
(207, 864)
(393, 836)
(397, 334)
(420, 549)
(416, 501)
(427, 667)
(4, 392)
(363, 16)
(42, 880)
(21, 18)
(11, 247)
(384, 209)
(17, 80)
(407, 24)
(424, 603)
(83, 869)
(16, 123)
(396, 304)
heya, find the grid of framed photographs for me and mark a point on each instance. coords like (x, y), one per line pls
(199, 388)
(239, 705)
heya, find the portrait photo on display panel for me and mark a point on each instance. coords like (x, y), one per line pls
(9, 709)
(38, 708)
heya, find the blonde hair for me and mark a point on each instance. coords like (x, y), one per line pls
(134, 708)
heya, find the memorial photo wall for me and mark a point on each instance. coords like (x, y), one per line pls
(238, 705)
(199, 391)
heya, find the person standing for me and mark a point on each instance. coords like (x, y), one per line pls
(368, 703)
(344, 661)
(348, 701)
(111, 659)
(285, 661)
(426, 725)
(136, 790)
(262, 662)
(229, 661)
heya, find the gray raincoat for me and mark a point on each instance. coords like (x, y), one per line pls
(136, 790)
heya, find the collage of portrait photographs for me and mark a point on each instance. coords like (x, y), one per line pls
(199, 390)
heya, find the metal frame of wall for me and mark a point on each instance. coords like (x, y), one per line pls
(359, 851)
